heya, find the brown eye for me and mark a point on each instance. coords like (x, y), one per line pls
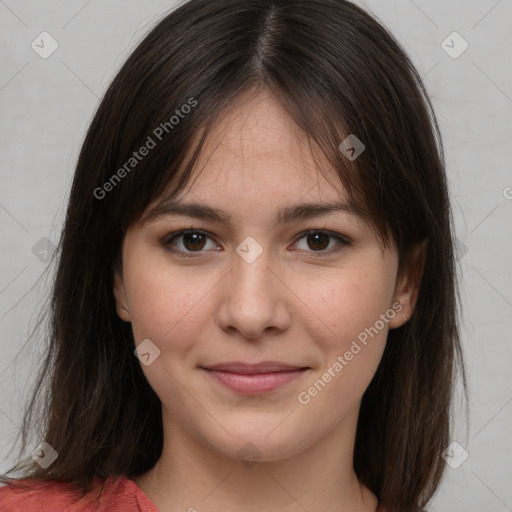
(194, 241)
(188, 242)
(318, 241)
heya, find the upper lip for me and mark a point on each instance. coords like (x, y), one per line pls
(254, 368)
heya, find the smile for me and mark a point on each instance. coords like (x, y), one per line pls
(254, 379)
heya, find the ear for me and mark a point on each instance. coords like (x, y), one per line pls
(120, 296)
(408, 283)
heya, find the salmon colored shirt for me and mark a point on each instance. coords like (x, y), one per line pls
(121, 496)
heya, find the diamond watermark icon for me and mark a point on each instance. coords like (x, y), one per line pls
(249, 249)
(454, 45)
(460, 249)
(249, 454)
(146, 352)
(352, 147)
(44, 45)
(44, 455)
(455, 455)
(43, 250)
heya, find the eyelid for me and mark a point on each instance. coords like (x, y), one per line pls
(332, 234)
(177, 234)
(343, 241)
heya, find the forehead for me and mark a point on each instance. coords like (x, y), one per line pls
(255, 147)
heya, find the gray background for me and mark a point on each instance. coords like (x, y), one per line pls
(46, 105)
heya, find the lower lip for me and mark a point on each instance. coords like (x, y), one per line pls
(257, 383)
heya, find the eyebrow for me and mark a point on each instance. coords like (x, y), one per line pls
(284, 215)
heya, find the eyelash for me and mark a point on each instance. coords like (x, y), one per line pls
(342, 242)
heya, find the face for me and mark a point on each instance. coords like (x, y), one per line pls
(309, 296)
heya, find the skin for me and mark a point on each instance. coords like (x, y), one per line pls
(290, 305)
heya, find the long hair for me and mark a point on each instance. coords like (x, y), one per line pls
(338, 72)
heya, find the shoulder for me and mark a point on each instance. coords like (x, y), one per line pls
(36, 495)
(112, 494)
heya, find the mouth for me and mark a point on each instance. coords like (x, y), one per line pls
(254, 379)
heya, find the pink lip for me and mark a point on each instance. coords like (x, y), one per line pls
(254, 379)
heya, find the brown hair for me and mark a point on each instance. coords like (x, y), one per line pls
(337, 71)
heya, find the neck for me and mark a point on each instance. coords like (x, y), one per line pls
(192, 476)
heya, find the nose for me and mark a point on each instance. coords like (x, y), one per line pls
(254, 299)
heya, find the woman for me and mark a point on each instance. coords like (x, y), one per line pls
(254, 306)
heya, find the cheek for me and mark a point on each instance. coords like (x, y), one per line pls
(351, 343)
(170, 307)
(347, 301)
(350, 336)
(169, 304)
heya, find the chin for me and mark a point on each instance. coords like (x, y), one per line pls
(265, 444)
